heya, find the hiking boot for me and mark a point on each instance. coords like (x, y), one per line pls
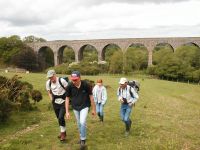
(63, 136)
(82, 144)
(126, 133)
(59, 135)
(130, 125)
(127, 127)
(101, 118)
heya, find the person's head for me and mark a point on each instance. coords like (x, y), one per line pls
(51, 74)
(123, 83)
(99, 82)
(76, 78)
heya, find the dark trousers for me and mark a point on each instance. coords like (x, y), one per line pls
(59, 110)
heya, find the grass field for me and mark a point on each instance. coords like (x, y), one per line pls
(166, 117)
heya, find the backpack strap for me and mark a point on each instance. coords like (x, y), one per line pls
(59, 79)
(131, 92)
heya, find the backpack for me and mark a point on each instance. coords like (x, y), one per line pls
(134, 84)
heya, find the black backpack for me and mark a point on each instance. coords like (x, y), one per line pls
(134, 84)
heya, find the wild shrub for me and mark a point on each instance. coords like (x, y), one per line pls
(15, 95)
(36, 96)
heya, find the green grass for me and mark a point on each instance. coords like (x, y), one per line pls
(166, 117)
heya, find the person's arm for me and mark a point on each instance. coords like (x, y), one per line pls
(50, 95)
(119, 95)
(104, 97)
(49, 90)
(67, 107)
(94, 94)
(93, 105)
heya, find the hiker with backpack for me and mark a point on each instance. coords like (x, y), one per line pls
(127, 96)
(55, 87)
(100, 97)
(80, 94)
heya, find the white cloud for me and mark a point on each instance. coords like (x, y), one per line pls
(91, 19)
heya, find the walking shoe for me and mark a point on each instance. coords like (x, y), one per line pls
(126, 133)
(63, 136)
(101, 118)
(59, 135)
(130, 125)
(82, 144)
(127, 126)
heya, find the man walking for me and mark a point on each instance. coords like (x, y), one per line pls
(55, 87)
(80, 94)
(127, 96)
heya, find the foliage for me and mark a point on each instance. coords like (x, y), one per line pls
(31, 39)
(36, 95)
(90, 54)
(136, 59)
(45, 58)
(9, 47)
(6, 106)
(116, 62)
(68, 55)
(15, 95)
(26, 59)
(182, 65)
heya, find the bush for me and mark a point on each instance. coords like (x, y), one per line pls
(36, 96)
(15, 95)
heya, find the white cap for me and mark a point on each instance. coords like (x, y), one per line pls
(50, 73)
(122, 81)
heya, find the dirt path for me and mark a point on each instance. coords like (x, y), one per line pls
(20, 133)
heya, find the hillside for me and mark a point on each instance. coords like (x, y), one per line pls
(167, 116)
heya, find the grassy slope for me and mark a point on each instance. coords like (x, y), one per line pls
(167, 116)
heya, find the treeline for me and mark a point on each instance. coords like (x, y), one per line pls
(181, 65)
(15, 53)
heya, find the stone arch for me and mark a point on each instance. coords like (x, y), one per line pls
(103, 51)
(61, 53)
(140, 51)
(89, 47)
(192, 44)
(160, 50)
(46, 56)
(164, 44)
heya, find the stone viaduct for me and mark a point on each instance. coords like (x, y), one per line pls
(100, 45)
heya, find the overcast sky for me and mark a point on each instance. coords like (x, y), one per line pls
(100, 19)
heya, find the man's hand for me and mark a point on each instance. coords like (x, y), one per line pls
(122, 101)
(93, 112)
(67, 115)
(131, 104)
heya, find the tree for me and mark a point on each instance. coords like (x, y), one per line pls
(9, 47)
(31, 39)
(136, 58)
(116, 62)
(26, 59)
(68, 55)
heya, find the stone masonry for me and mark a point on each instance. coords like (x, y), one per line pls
(100, 45)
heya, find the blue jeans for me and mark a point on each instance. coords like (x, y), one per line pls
(125, 112)
(99, 109)
(81, 117)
